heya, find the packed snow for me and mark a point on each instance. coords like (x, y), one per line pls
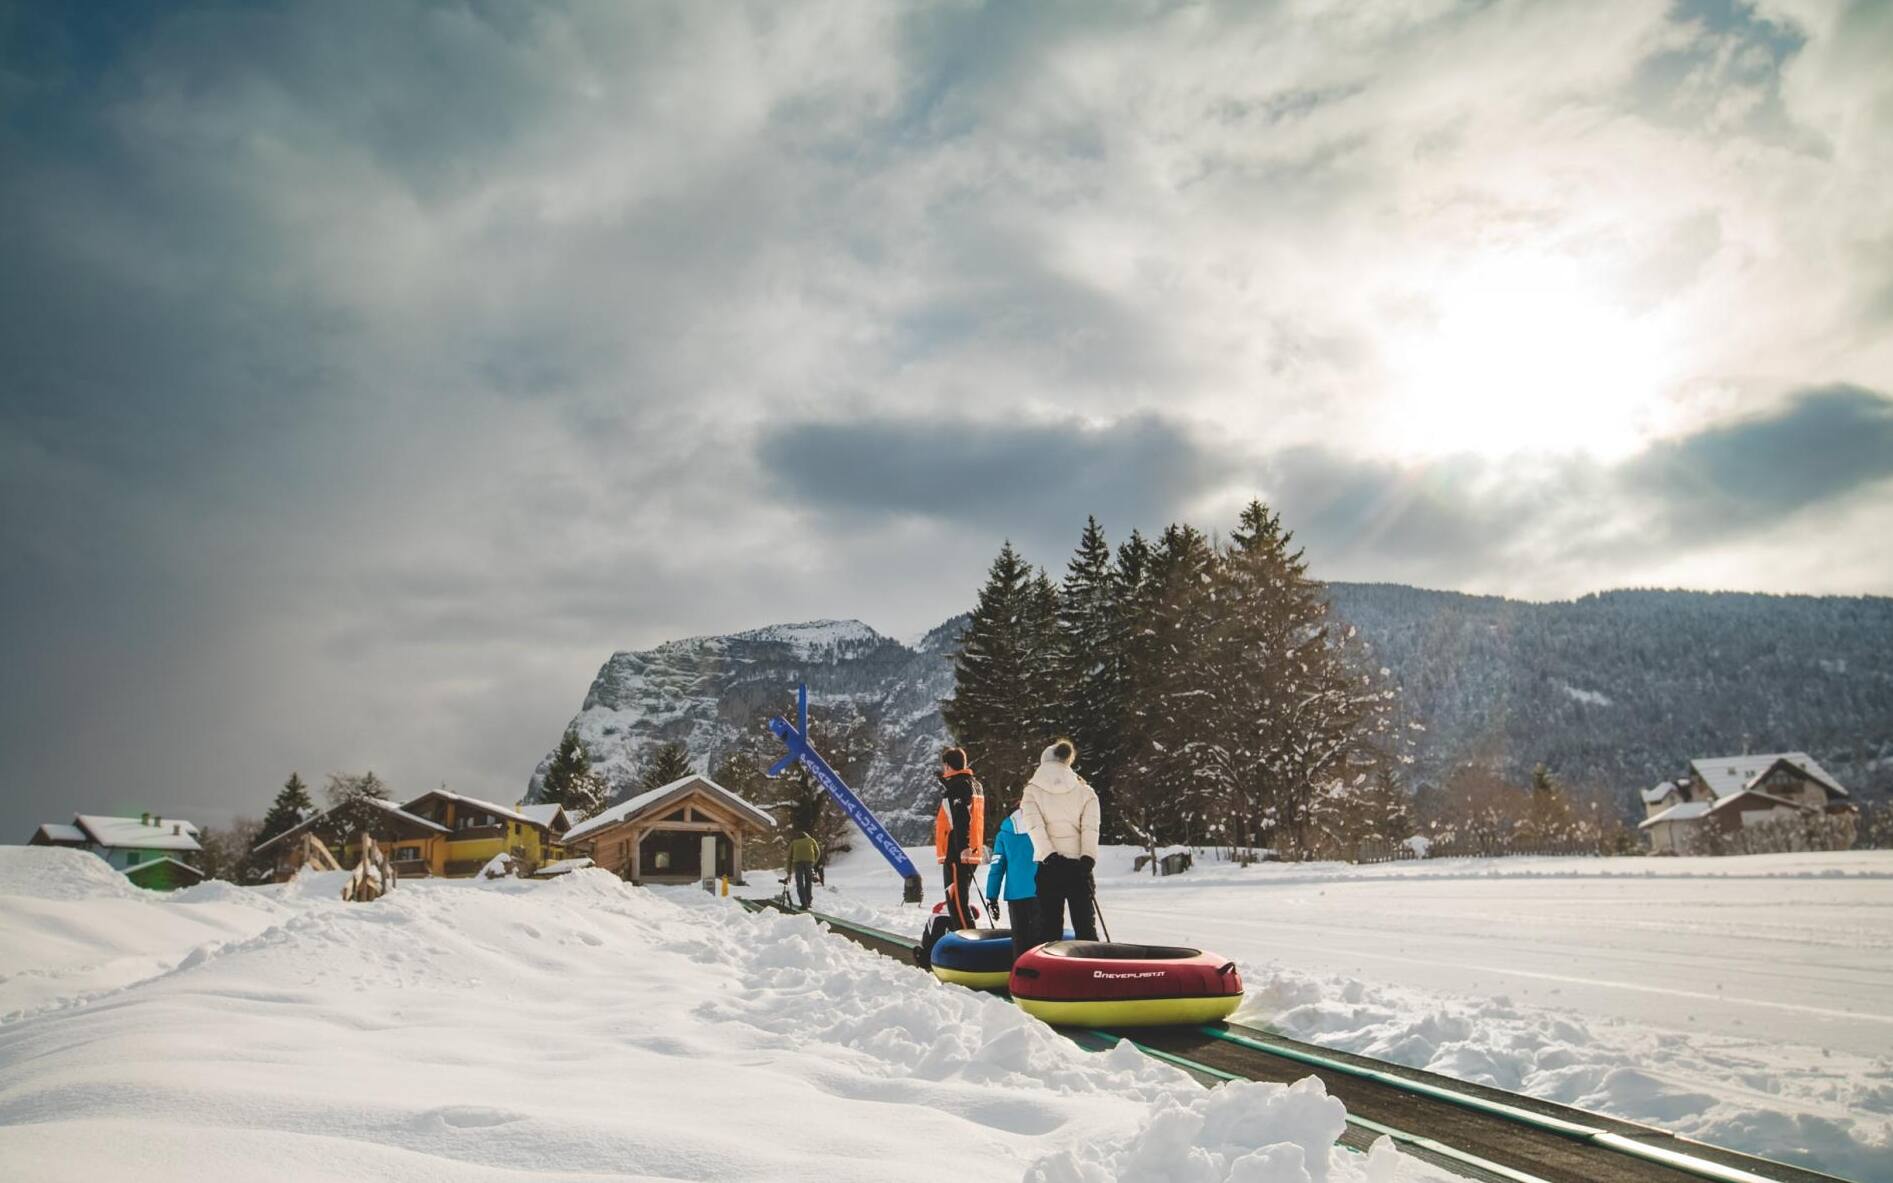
(575, 1028)
(1741, 1001)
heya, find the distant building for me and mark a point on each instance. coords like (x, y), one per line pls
(151, 850)
(439, 833)
(657, 836)
(1727, 794)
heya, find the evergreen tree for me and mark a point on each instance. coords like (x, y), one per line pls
(570, 781)
(290, 809)
(352, 810)
(1168, 621)
(993, 713)
(1294, 709)
(670, 762)
(1045, 671)
(1087, 662)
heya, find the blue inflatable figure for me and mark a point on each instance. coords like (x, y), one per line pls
(795, 735)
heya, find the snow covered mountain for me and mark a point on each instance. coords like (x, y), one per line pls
(1617, 690)
(704, 691)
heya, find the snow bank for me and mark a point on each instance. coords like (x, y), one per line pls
(1242, 1132)
(74, 929)
(61, 873)
(508, 1029)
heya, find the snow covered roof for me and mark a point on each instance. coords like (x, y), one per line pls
(1687, 811)
(1751, 796)
(563, 866)
(1726, 775)
(542, 814)
(135, 833)
(505, 811)
(643, 801)
(1652, 796)
(386, 806)
(150, 865)
(59, 832)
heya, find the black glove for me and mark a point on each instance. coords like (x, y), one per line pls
(1053, 860)
(1087, 862)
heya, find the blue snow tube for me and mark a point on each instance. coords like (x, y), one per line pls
(976, 957)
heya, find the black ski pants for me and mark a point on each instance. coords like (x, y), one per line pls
(1065, 884)
(959, 884)
(804, 883)
(1023, 916)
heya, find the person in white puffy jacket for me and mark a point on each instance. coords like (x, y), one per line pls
(1060, 814)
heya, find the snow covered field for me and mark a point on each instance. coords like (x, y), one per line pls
(1742, 1001)
(578, 1029)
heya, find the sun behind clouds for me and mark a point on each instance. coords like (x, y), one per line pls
(1526, 351)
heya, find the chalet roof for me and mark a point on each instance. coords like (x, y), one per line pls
(1727, 775)
(1750, 797)
(505, 811)
(149, 865)
(387, 806)
(1652, 796)
(60, 832)
(564, 866)
(542, 814)
(1683, 812)
(662, 795)
(134, 833)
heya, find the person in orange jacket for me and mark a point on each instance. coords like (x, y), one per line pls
(959, 832)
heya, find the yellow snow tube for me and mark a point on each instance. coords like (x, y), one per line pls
(1132, 1012)
(973, 978)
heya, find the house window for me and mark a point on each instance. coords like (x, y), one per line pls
(407, 854)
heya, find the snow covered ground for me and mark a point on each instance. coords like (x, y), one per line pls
(576, 1029)
(1742, 1001)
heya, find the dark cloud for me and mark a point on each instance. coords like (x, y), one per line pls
(1026, 479)
(1737, 477)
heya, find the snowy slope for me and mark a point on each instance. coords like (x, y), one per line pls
(1742, 1001)
(580, 1028)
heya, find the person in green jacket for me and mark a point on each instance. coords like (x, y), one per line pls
(804, 853)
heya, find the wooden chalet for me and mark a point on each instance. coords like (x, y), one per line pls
(1730, 793)
(438, 833)
(657, 836)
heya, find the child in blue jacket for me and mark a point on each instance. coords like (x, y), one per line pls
(1015, 871)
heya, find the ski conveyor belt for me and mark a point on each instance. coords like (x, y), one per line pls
(1474, 1131)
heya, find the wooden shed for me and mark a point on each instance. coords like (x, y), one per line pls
(657, 836)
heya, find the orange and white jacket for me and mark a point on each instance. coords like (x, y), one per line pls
(959, 829)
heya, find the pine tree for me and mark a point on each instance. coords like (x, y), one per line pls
(570, 781)
(670, 762)
(351, 808)
(993, 713)
(1295, 710)
(290, 809)
(1166, 623)
(1087, 665)
(1044, 668)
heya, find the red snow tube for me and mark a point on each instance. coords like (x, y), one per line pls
(1112, 984)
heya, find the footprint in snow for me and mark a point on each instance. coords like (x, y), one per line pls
(466, 1117)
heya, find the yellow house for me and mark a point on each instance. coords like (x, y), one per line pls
(441, 833)
(472, 832)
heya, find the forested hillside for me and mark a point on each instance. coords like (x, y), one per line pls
(1617, 690)
(1613, 691)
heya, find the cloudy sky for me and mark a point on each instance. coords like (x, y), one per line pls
(370, 371)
